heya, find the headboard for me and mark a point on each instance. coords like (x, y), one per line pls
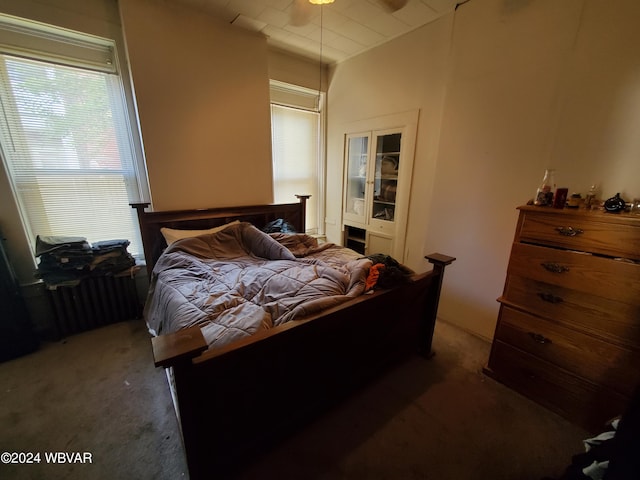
(199, 219)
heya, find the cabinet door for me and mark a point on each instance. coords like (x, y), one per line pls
(384, 175)
(378, 243)
(357, 165)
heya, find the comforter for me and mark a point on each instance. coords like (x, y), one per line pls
(239, 281)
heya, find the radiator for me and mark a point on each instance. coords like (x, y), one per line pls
(95, 302)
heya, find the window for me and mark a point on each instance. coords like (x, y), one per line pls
(297, 139)
(65, 136)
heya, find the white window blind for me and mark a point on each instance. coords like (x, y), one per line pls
(296, 148)
(67, 144)
(30, 39)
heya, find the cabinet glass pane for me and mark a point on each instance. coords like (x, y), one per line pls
(385, 180)
(357, 151)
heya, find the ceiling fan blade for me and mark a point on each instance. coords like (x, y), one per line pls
(300, 13)
(393, 5)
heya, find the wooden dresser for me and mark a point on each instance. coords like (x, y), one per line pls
(568, 332)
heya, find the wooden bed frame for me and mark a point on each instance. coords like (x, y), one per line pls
(235, 401)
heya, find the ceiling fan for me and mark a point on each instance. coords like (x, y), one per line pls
(302, 10)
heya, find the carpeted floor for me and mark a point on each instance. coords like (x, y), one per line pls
(440, 419)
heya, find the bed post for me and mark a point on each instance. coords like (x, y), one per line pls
(143, 230)
(439, 262)
(181, 346)
(303, 205)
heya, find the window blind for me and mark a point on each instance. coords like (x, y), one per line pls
(294, 96)
(29, 39)
(295, 158)
(67, 146)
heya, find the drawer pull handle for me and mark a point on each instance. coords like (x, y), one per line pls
(569, 231)
(555, 267)
(539, 338)
(550, 297)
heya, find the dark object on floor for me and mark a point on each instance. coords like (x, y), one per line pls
(625, 458)
(16, 334)
(612, 455)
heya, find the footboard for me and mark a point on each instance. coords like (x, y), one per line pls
(236, 400)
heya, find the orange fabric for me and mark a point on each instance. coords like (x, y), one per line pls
(372, 278)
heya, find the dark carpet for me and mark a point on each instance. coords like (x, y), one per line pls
(98, 393)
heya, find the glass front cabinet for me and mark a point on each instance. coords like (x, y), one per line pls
(377, 179)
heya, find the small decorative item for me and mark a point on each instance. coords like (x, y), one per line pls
(388, 193)
(544, 194)
(358, 206)
(574, 200)
(560, 197)
(614, 204)
(590, 200)
(388, 166)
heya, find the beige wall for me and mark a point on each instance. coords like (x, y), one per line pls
(522, 85)
(203, 100)
(290, 68)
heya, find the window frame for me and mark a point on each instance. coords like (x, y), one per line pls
(57, 45)
(301, 98)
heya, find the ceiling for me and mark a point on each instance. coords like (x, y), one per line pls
(349, 27)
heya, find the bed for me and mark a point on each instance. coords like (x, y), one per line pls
(236, 394)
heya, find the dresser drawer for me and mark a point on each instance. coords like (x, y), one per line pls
(604, 277)
(607, 319)
(598, 361)
(582, 232)
(566, 394)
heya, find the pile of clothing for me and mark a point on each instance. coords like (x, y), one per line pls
(613, 454)
(386, 272)
(66, 261)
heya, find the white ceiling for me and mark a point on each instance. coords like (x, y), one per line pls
(349, 27)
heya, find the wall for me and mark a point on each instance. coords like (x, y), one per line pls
(203, 101)
(528, 84)
(289, 68)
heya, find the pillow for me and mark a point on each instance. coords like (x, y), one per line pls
(172, 235)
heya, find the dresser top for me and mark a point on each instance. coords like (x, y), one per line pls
(590, 231)
(596, 215)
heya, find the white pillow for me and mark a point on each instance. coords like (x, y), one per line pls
(172, 235)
